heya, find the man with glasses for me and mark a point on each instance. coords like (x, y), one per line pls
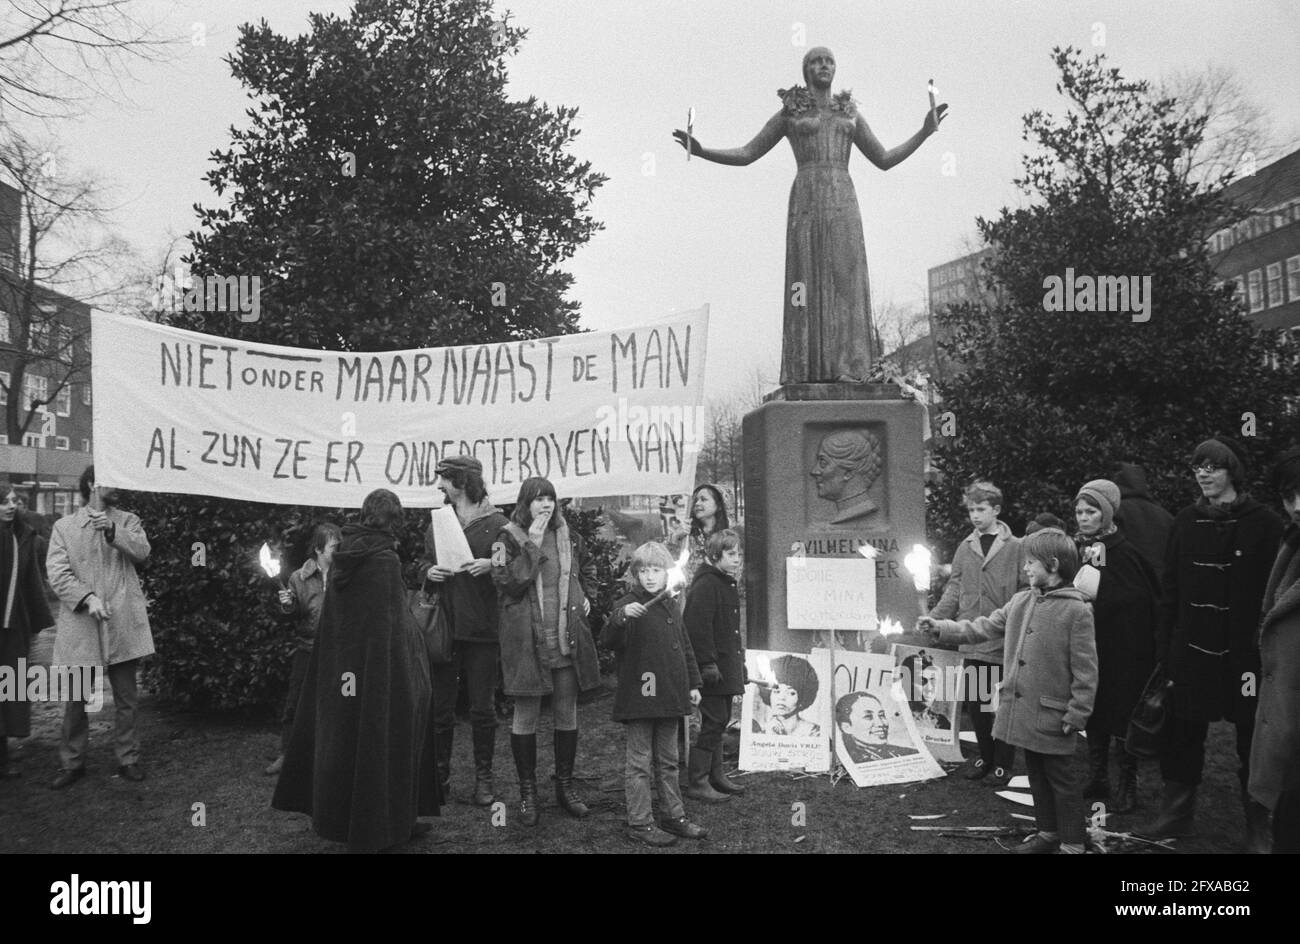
(1217, 563)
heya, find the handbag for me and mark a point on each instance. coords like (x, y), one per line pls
(433, 622)
(1146, 727)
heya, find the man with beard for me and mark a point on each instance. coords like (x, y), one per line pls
(102, 619)
(864, 725)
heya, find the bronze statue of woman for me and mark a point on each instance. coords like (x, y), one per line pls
(827, 335)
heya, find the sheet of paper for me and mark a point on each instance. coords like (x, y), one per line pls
(449, 539)
(1024, 799)
(1018, 783)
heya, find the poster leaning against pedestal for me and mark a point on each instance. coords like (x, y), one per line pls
(785, 720)
(876, 738)
(931, 680)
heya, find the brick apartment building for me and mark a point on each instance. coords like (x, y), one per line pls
(58, 443)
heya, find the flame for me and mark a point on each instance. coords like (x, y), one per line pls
(269, 563)
(869, 552)
(890, 627)
(918, 565)
(676, 582)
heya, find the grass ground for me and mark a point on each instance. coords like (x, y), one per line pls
(193, 758)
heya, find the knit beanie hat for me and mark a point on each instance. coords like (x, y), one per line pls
(1102, 494)
(1226, 453)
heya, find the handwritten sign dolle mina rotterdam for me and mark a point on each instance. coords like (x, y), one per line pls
(606, 413)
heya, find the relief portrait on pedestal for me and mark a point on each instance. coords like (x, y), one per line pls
(846, 465)
(827, 332)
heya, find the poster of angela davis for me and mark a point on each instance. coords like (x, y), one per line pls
(785, 721)
(932, 682)
(876, 737)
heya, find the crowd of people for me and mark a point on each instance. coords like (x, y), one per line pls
(1074, 628)
(1200, 607)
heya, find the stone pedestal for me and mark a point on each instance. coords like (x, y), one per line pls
(829, 469)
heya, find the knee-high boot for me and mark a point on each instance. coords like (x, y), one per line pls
(718, 777)
(1126, 795)
(566, 753)
(524, 747)
(484, 747)
(442, 741)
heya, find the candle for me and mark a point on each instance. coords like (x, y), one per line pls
(690, 128)
(934, 118)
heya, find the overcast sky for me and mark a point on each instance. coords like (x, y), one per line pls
(678, 235)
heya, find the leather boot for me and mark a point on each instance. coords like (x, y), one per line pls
(442, 760)
(524, 747)
(484, 746)
(1126, 794)
(718, 778)
(566, 751)
(699, 788)
(1259, 826)
(1177, 813)
(1098, 787)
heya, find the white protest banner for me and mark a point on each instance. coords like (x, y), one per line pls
(830, 593)
(784, 720)
(875, 736)
(608, 413)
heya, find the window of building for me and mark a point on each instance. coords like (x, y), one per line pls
(61, 442)
(4, 387)
(1293, 278)
(35, 387)
(4, 327)
(38, 339)
(1239, 291)
(33, 440)
(63, 401)
(85, 445)
(1255, 290)
(1274, 284)
(85, 394)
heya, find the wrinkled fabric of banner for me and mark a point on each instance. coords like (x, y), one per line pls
(617, 412)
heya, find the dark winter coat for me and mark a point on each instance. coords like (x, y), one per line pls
(517, 573)
(1051, 666)
(713, 621)
(656, 643)
(1143, 522)
(1125, 613)
(472, 600)
(360, 760)
(21, 615)
(1275, 750)
(1212, 588)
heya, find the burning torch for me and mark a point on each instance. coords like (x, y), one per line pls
(918, 565)
(271, 567)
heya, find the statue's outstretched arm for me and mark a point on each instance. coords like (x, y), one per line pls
(875, 152)
(763, 142)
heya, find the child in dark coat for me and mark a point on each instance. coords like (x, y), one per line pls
(713, 621)
(658, 682)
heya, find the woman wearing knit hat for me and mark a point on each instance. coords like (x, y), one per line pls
(1126, 595)
(1217, 565)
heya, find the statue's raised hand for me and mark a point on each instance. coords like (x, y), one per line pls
(695, 147)
(934, 118)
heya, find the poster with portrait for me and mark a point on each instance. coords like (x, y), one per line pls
(785, 720)
(932, 684)
(875, 735)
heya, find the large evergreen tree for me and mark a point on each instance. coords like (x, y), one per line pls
(1049, 399)
(388, 192)
(389, 195)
